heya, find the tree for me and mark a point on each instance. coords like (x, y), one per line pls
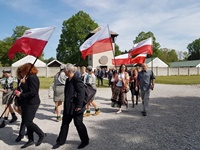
(117, 51)
(168, 55)
(74, 32)
(48, 60)
(143, 36)
(194, 50)
(185, 55)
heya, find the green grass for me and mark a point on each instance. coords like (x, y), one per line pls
(179, 80)
(45, 83)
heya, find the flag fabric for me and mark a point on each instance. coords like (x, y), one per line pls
(121, 59)
(32, 42)
(139, 59)
(144, 47)
(126, 59)
(98, 43)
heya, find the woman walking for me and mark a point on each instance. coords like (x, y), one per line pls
(121, 88)
(30, 102)
(58, 88)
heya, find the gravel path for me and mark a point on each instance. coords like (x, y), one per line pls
(172, 123)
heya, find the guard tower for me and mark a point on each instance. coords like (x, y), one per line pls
(104, 59)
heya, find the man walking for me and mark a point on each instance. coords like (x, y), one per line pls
(73, 108)
(146, 81)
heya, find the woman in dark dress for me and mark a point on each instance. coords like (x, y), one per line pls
(133, 85)
(30, 102)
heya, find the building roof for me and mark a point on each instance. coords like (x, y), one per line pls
(29, 59)
(191, 63)
(155, 62)
(54, 63)
(113, 34)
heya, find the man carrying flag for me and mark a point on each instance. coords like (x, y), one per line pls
(98, 43)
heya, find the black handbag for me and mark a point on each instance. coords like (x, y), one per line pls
(89, 93)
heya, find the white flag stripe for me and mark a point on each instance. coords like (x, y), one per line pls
(39, 33)
(122, 56)
(142, 43)
(100, 35)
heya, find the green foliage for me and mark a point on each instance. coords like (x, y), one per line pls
(143, 36)
(168, 55)
(117, 51)
(194, 50)
(74, 32)
(48, 60)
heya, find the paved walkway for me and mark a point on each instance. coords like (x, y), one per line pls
(172, 123)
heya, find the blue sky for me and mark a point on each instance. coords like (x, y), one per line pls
(175, 24)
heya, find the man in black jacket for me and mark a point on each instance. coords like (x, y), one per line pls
(73, 108)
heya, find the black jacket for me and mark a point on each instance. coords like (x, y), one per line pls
(30, 91)
(75, 85)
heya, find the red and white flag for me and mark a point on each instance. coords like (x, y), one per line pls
(143, 47)
(32, 42)
(121, 59)
(139, 59)
(98, 43)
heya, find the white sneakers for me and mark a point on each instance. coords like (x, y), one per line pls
(118, 112)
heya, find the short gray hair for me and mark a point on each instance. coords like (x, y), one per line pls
(69, 67)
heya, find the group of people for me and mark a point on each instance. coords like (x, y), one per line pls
(138, 82)
(67, 82)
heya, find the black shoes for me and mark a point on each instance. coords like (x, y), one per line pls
(56, 146)
(29, 143)
(3, 124)
(40, 140)
(19, 138)
(14, 118)
(144, 113)
(83, 144)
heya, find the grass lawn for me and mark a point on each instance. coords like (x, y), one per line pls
(179, 80)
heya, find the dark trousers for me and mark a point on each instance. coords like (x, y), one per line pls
(78, 122)
(28, 114)
(22, 129)
(100, 79)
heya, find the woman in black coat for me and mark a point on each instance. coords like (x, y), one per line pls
(30, 102)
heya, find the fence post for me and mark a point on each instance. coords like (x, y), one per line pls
(188, 71)
(178, 70)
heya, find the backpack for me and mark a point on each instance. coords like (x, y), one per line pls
(89, 93)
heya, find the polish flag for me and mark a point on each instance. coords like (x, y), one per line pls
(144, 47)
(98, 43)
(32, 42)
(121, 59)
(139, 59)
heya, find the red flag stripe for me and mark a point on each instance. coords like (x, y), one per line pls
(32, 42)
(144, 47)
(28, 46)
(98, 47)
